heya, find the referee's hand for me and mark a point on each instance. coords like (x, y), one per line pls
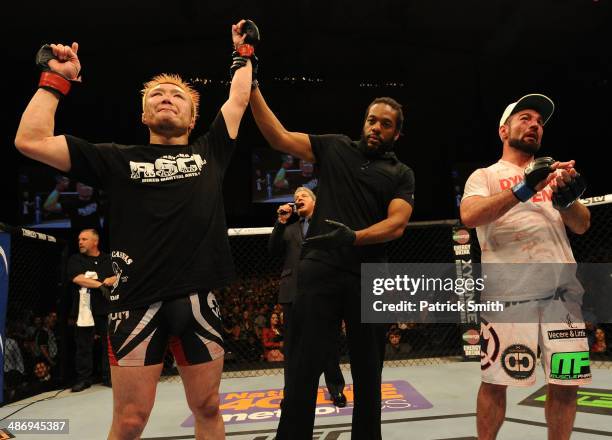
(341, 235)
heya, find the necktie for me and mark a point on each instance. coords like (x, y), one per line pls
(304, 227)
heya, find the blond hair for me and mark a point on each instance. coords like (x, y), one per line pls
(173, 78)
(308, 190)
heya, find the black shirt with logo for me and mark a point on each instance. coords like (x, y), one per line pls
(168, 235)
(354, 190)
(79, 264)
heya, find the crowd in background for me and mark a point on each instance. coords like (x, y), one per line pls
(30, 354)
(252, 322)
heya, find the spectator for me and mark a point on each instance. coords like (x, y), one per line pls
(34, 327)
(310, 180)
(599, 345)
(52, 203)
(42, 371)
(42, 377)
(260, 322)
(272, 338)
(280, 180)
(14, 371)
(396, 349)
(247, 327)
(84, 212)
(45, 345)
(253, 351)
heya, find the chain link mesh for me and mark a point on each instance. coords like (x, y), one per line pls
(423, 344)
(246, 305)
(34, 356)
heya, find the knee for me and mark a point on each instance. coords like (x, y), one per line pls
(131, 422)
(206, 408)
(495, 390)
(562, 393)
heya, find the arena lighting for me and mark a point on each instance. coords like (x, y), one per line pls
(303, 80)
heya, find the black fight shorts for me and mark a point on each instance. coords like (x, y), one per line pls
(190, 326)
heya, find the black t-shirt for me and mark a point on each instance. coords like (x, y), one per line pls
(354, 190)
(84, 214)
(78, 264)
(168, 235)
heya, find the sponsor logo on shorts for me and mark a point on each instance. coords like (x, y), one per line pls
(518, 361)
(566, 334)
(489, 345)
(213, 304)
(569, 322)
(570, 365)
(116, 318)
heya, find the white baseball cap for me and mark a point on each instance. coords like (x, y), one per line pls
(540, 103)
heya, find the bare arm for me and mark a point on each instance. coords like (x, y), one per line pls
(479, 210)
(52, 202)
(110, 281)
(35, 135)
(577, 217)
(83, 281)
(391, 228)
(233, 109)
(294, 143)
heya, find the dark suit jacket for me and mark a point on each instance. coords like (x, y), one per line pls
(287, 240)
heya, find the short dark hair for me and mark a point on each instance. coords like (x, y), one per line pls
(395, 332)
(399, 121)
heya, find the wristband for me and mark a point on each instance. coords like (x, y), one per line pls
(54, 82)
(245, 50)
(522, 192)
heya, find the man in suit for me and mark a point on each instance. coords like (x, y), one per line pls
(286, 239)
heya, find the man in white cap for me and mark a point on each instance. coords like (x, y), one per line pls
(520, 208)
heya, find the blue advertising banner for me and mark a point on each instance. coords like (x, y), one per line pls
(5, 252)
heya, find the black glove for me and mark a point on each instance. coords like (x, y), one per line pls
(535, 172)
(43, 56)
(252, 33)
(105, 291)
(51, 80)
(239, 61)
(342, 235)
(565, 196)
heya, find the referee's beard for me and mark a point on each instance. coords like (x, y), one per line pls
(378, 151)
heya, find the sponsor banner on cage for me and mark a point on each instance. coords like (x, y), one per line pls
(5, 254)
(241, 407)
(545, 293)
